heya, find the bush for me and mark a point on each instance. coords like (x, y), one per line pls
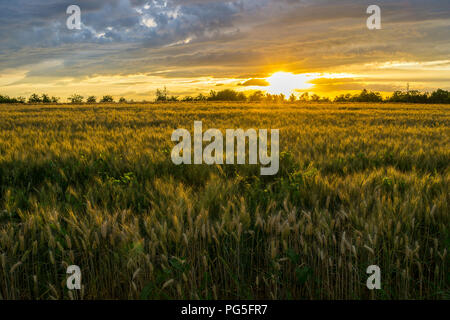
(34, 98)
(292, 98)
(304, 97)
(75, 98)
(440, 96)
(257, 96)
(46, 98)
(275, 98)
(7, 99)
(201, 97)
(188, 99)
(91, 99)
(161, 95)
(107, 99)
(227, 95)
(364, 96)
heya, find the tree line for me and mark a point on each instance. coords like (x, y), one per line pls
(45, 98)
(162, 95)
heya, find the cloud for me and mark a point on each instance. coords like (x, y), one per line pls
(240, 39)
(255, 82)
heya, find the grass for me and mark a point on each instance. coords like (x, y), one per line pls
(94, 186)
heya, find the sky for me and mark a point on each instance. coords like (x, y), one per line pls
(129, 48)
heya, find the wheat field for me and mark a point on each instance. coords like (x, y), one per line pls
(94, 186)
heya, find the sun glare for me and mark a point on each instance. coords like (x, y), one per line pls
(286, 82)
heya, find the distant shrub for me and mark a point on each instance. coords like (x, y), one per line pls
(227, 95)
(162, 95)
(343, 98)
(412, 96)
(364, 96)
(75, 98)
(304, 97)
(274, 98)
(201, 97)
(7, 99)
(55, 99)
(188, 99)
(440, 96)
(46, 98)
(107, 99)
(34, 98)
(256, 96)
(292, 98)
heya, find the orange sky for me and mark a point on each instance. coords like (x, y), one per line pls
(130, 48)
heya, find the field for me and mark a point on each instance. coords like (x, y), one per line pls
(94, 186)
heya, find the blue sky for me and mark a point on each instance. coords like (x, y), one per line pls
(130, 47)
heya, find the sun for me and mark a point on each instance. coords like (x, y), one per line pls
(286, 82)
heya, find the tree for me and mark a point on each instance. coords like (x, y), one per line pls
(343, 98)
(212, 95)
(201, 97)
(161, 95)
(364, 96)
(55, 99)
(440, 96)
(292, 98)
(75, 98)
(34, 98)
(241, 97)
(21, 99)
(46, 98)
(188, 99)
(256, 96)
(91, 99)
(367, 96)
(304, 97)
(107, 99)
(227, 95)
(7, 99)
(269, 97)
(122, 100)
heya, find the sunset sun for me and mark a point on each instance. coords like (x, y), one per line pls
(286, 82)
